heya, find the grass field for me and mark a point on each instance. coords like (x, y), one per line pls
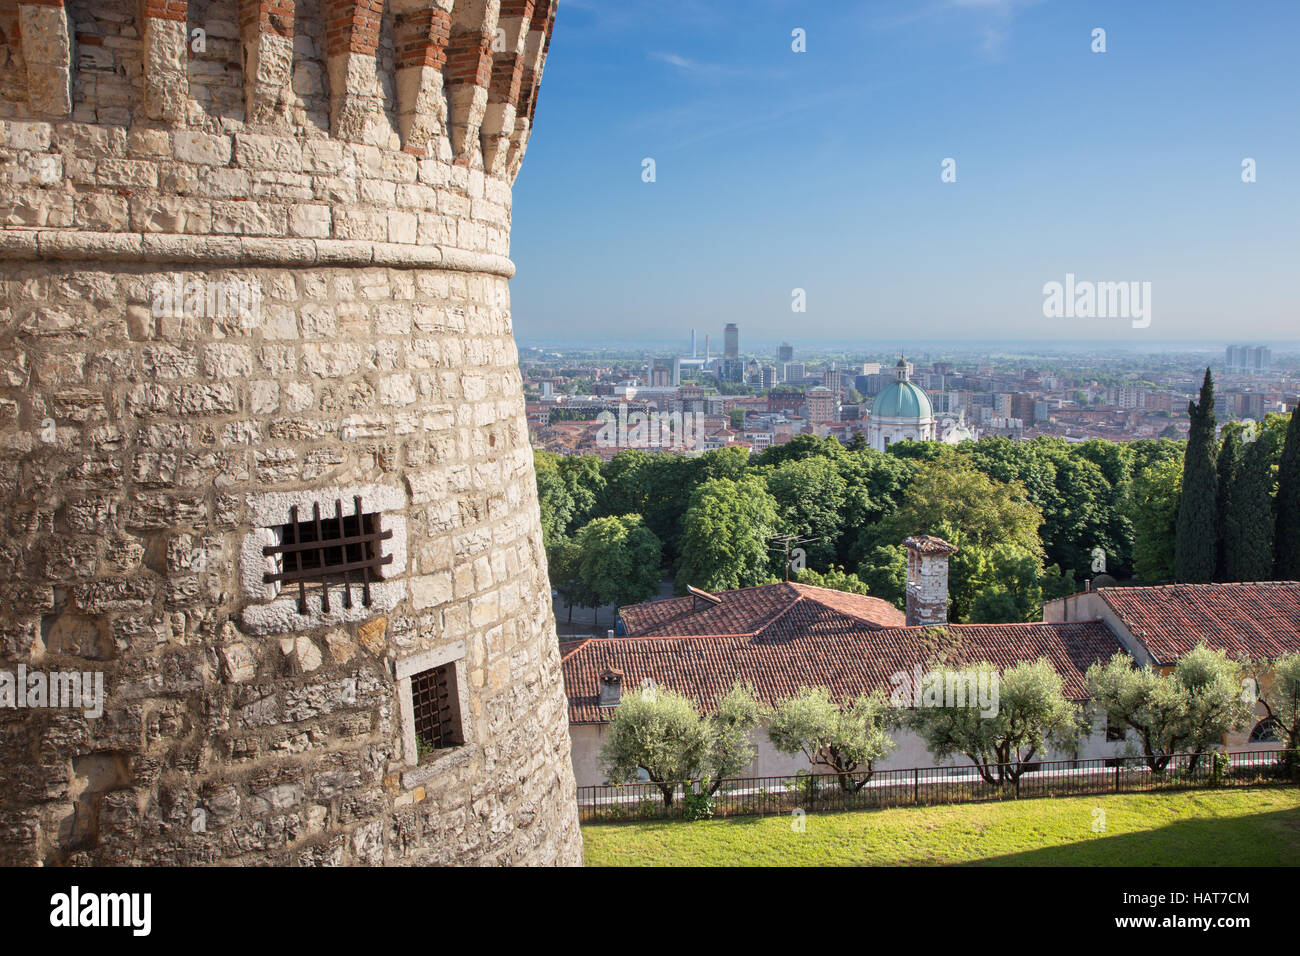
(1259, 827)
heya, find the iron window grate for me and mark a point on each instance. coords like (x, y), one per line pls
(436, 709)
(330, 550)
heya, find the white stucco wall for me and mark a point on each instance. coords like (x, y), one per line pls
(910, 751)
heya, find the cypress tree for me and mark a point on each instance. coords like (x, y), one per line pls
(1286, 535)
(1248, 530)
(1195, 546)
(1228, 465)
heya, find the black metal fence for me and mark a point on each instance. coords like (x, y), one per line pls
(924, 786)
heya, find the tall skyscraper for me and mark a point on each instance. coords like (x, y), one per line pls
(785, 353)
(731, 341)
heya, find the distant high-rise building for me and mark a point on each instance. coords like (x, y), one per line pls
(664, 372)
(692, 343)
(822, 405)
(1249, 358)
(769, 376)
(831, 379)
(731, 341)
(794, 371)
(785, 353)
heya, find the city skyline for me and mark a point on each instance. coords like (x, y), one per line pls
(821, 171)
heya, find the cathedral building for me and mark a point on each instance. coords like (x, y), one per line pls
(901, 412)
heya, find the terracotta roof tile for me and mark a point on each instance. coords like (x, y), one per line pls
(1259, 620)
(748, 611)
(814, 646)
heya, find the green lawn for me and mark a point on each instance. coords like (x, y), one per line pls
(1259, 827)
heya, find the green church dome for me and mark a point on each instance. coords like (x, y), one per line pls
(902, 400)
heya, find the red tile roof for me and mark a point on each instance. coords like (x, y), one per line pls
(1259, 620)
(567, 647)
(749, 611)
(814, 646)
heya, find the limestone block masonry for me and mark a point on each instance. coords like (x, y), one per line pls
(254, 259)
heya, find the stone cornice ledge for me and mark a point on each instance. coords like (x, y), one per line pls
(215, 251)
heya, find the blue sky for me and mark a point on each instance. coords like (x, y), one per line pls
(820, 170)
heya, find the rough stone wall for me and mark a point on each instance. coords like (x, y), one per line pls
(145, 449)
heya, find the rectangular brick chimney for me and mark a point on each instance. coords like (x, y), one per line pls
(927, 580)
(611, 687)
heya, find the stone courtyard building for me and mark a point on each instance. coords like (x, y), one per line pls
(264, 464)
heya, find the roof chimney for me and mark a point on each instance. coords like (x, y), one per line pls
(927, 580)
(698, 595)
(611, 687)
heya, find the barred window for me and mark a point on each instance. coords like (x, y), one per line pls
(338, 549)
(436, 709)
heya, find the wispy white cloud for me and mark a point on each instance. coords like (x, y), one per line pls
(701, 69)
(990, 20)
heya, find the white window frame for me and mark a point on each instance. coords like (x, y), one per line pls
(404, 670)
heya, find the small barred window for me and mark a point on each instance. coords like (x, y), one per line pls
(436, 709)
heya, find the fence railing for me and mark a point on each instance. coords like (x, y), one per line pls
(918, 786)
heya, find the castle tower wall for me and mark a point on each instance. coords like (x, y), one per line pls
(254, 271)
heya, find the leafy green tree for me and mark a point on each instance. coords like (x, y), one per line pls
(655, 486)
(1077, 500)
(1248, 523)
(810, 502)
(982, 511)
(618, 559)
(555, 503)
(1032, 714)
(730, 462)
(1007, 590)
(661, 732)
(1187, 710)
(724, 542)
(842, 739)
(563, 564)
(1195, 540)
(583, 480)
(873, 483)
(884, 571)
(800, 448)
(1152, 502)
(1286, 534)
(1057, 583)
(835, 579)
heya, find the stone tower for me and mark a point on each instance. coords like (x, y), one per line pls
(927, 580)
(263, 457)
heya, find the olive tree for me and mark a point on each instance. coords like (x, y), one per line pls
(1280, 695)
(1189, 709)
(661, 732)
(842, 739)
(1029, 713)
